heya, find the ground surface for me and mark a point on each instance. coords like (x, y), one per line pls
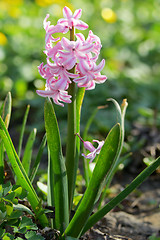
(137, 218)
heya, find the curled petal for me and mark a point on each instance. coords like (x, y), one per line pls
(100, 145)
(62, 96)
(99, 67)
(46, 23)
(56, 96)
(90, 85)
(100, 78)
(90, 156)
(93, 151)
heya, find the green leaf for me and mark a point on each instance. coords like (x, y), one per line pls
(6, 188)
(2, 206)
(22, 130)
(31, 235)
(1, 190)
(8, 236)
(27, 222)
(26, 160)
(43, 187)
(38, 159)
(19, 191)
(56, 169)
(2, 215)
(13, 222)
(10, 196)
(1, 109)
(9, 209)
(15, 214)
(2, 231)
(1, 162)
(104, 163)
(21, 207)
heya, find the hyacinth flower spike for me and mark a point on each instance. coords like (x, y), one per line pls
(93, 151)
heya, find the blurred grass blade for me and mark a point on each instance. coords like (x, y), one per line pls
(38, 159)
(57, 172)
(104, 162)
(22, 178)
(1, 162)
(115, 201)
(5, 112)
(1, 109)
(26, 160)
(22, 130)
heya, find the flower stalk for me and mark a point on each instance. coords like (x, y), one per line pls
(71, 165)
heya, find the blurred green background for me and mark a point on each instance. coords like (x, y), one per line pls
(130, 35)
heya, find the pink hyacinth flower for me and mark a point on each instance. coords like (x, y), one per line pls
(74, 50)
(93, 151)
(90, 74)
(72, 20)
(59, 69)
(55, 89)
(94, 40)
(51, 29)
(59, 95)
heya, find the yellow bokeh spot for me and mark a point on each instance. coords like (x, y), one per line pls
(12, 8)
(109, 15)
(15, 2)
(44, 3)
(3, 39)
(14, 12)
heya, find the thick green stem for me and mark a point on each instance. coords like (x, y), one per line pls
(71, 165)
